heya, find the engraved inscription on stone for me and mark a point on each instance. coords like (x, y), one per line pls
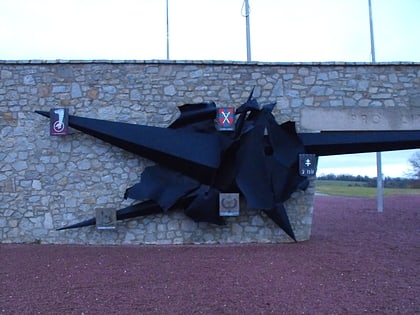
(360, 119)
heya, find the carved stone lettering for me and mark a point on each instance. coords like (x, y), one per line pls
(360, 119)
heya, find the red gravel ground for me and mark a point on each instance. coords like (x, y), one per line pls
(358, 261)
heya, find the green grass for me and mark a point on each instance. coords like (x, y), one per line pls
(357, 189)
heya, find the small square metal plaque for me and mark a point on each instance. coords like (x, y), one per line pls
(307, 164)
(106, 218)
(228, 204)
(59, 121)
(225, 119)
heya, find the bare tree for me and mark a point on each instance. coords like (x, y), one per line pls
(415, 164)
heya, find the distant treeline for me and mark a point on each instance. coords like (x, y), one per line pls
(365, 181)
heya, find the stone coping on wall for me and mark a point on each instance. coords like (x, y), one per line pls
(211, 62)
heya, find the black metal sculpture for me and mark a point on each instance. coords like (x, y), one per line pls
(196, 162)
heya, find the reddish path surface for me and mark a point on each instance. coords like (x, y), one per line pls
(358, 261)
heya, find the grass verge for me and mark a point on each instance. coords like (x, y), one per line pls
(357, 189)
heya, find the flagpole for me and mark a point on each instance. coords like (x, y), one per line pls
(248, 35)
(167, 30)
(379, 180)
(372, 40)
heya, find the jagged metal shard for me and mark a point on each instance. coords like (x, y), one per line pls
(196, 162)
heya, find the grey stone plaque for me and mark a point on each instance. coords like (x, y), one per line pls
(106, 218)
(228, 204)
(360, 118)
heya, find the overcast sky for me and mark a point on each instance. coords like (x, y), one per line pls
(281, 31)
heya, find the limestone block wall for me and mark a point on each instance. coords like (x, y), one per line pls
(48, 182)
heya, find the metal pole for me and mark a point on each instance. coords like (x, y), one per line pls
(372, 40)
(248, 35)
(379, 180)
(167, 30)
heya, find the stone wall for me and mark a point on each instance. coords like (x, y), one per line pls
(49, 182)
